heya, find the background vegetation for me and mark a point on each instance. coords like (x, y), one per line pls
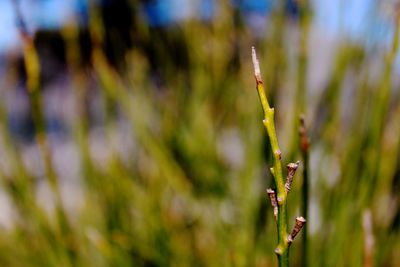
(149, 151)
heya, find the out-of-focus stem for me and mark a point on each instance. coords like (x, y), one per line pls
(368, 239)
(302, 69)
(79, 81)
(304, 22)
(304, 147)
(32, 66)
(379, 113)
(302, 57)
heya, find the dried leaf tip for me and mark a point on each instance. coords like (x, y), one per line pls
(256, 64)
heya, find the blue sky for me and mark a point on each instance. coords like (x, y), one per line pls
(355, 18)
(38, 13)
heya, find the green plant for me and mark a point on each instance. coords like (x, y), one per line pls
(278, 199)
(177, 180)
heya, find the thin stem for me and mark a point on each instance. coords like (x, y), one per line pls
(369, 239)
(300, 105)
(269, 124)
(304, 23)
(379, 113)
(304, 147)
(32, 66)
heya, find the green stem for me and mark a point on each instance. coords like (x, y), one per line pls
(282, 249)
(302, 70)
(304, 210)
(304, 148)
(379, 113)
(32, 67)
(304, 28)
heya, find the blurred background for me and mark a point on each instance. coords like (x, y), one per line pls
(131, 132)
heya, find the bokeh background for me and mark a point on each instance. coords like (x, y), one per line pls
(131, 132)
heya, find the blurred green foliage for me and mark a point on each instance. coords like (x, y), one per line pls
(190, 191)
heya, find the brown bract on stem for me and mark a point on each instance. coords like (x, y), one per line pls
(300, 221)
(274, 202)
(292, 167)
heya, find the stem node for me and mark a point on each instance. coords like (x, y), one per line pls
(279, 251)
(278, 154)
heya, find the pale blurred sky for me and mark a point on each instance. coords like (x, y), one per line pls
(37, 13)
(357, 19)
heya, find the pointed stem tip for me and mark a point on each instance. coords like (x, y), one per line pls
(256, 64)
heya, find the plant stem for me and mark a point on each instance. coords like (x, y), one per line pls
(33, 86)
(304, 147)
(304, 28)
(32, 66)
(282, 250)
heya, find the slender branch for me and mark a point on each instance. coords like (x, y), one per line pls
(269, 124)
(32, 66)
(368, 238)
(278, 199)
(304, 23)
(304, 148)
